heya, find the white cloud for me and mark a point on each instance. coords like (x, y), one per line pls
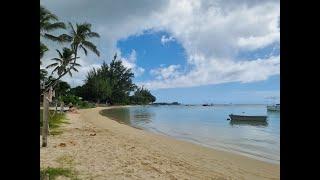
(165, 39)
(130, 62)
(211, 32)
(163, 73)
(218, 71)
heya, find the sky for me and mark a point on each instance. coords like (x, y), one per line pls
(189, 51)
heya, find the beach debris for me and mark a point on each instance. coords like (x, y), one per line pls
(73, 143)
(62, 145)
(93, 134)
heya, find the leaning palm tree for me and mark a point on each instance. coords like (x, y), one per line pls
(64, 62)
(79, 38)
(48, 23)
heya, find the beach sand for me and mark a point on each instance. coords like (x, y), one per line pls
(100, 148)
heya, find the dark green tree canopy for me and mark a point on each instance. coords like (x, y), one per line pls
(112, 83)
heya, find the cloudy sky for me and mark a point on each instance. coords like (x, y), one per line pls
(191, 51)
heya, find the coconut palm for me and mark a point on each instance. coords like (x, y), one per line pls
(48, 23)
(64, 62)
(79, 38)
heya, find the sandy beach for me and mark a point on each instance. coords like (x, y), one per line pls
(99, 148)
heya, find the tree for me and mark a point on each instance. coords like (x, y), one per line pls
(79, 38)
(142, 96)
(113, 83)
(64, 62)
(121, 83)
(62, 88)
(48, 23)
(97, 86)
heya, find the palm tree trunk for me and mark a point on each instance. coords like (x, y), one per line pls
(45, 123)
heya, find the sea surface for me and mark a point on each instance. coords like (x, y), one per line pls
(208, 126)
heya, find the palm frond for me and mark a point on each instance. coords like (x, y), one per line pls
(60, 54)
(43, 49)
(65, 38)
(76, 64)
(72, 28)
(70, 73)
(52, 65)
(54, 26)
(93, 34)
(51, 37)
(84, 49)
(75, 69)
(91, 46)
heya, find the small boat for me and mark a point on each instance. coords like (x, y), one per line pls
(247, 118)
(249, 123)
(275, 107)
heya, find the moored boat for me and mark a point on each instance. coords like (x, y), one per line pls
(273, 107)
(247, 118)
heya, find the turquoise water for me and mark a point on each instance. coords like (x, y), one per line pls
(209, 127)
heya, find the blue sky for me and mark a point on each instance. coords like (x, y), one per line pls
(190, 51)
(151, 52)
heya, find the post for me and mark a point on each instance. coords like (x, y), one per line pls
(45, 123)
(61, 107)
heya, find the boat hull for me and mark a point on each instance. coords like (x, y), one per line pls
(273, 108)
(247, 118)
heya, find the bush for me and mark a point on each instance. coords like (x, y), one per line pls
(85, 105)
(55, 120)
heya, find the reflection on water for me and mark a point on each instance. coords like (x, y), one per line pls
(119, 114)
(209, 126)
(249, 123)
(132, 117)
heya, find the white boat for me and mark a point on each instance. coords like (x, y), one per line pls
(275, 107)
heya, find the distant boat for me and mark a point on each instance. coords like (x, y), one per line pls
(247, 118)
(275, 107)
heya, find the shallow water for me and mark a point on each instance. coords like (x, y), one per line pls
(209, 127)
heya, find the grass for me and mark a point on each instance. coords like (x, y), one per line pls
(55, 121)
(66, 169)
(56, 172)
(65, 160)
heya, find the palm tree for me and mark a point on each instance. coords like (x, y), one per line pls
(48, 23)
(43, 49)
(64, 62)
(79, 38)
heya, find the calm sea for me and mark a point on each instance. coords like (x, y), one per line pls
(208, 126)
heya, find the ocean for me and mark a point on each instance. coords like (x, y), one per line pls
(208, 126)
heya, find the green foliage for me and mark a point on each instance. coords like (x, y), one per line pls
(113, 84)
(56, 172)
(109, 83)
(64, 63)
(76, 101)
(142, 96)
(48, 23)
(61, 88)
(55, 119)
(86, 105)
(70, 98)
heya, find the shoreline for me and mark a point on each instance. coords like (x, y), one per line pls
(119, 151)
(253, 156)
